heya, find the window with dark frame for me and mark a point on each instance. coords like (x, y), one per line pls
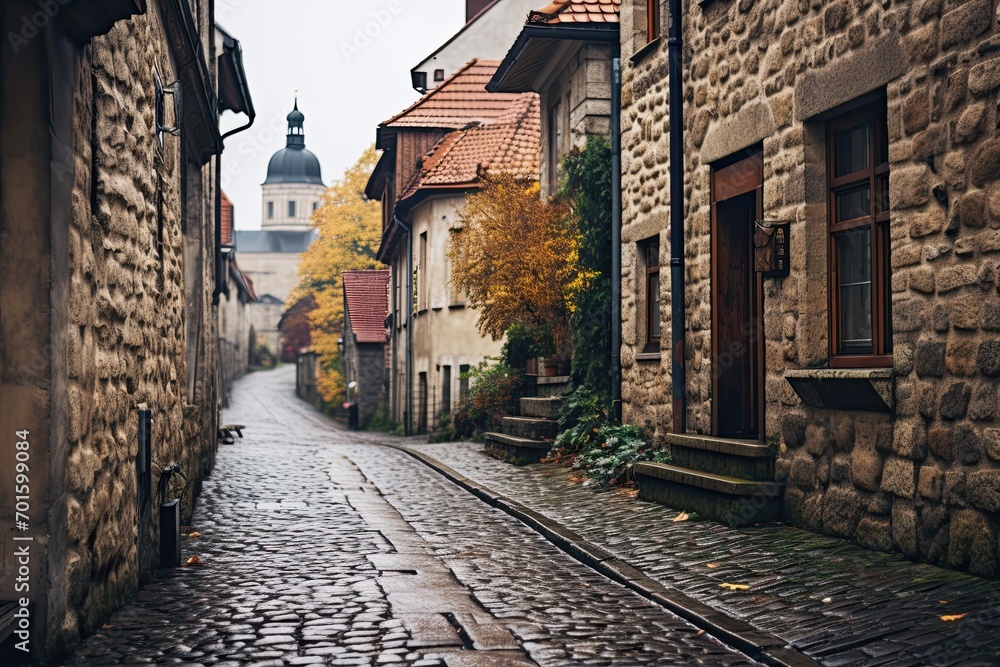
(860, 269)
(650, 251)
(652, 20)
(291, 209)
(270, 210)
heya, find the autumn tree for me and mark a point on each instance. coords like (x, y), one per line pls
(349, 232)
(516, 258)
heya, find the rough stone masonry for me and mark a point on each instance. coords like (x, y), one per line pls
(923, 480)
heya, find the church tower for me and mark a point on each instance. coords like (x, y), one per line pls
(294, 185)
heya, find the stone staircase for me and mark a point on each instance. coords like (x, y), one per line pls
(730, 481)
(528, 437)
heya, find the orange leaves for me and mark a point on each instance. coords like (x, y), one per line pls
(953, 617)
(515, 257)
(350, 231)
(194, 560)
(735, 587)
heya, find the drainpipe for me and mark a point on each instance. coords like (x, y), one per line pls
(675, 54)
(408, 406)
(220, 274)
(616, 239)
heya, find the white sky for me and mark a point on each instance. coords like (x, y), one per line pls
(290, 44)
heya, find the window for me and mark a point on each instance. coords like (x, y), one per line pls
(438, 75)
(652, 20)
(860, 294)
(555, 144)
(649, 254)
(422, 293)
(445, 389)
(270, 210)
(291, 209)
(463, 381)
(315, 206)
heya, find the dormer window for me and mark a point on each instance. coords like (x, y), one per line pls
(291, 209)
(270, 210)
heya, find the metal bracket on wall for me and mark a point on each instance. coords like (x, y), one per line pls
(174, 91)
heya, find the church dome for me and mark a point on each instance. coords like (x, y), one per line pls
(293, 163)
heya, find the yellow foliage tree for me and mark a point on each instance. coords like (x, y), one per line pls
(516, 256)
(350, 230)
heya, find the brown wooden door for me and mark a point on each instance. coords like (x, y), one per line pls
(736, 299)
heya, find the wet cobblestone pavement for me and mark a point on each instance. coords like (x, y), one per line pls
(881, 609)
(322, 547)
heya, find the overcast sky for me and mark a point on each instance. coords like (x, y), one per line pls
(346, 87)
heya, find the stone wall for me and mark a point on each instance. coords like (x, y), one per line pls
(923, 480)
(583, 89)
(106, 292)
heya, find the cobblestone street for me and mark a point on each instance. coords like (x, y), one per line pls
(321, 546)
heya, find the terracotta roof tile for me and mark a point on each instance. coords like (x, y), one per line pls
(577, 11)
(367, 301)
(512, 144)
(226, 220)
(460, 100)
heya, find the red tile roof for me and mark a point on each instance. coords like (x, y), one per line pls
(367, 301)
(226, 220)
(512, 144)
(577, 11)
(460, 100)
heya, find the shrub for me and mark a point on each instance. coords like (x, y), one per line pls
(608, 461)
(494, 392)
(582, 416)
(382, 423)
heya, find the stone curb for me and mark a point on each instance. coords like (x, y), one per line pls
(738, 634)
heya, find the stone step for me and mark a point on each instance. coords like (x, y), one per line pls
(743, 459)
(530, 427)
(516, 450)
(730, 500)
(558, 385)
(543, 408)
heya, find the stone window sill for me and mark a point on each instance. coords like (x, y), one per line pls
(858, 389)
(648, 356)
(641, 54)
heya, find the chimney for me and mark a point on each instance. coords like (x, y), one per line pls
(473, 7)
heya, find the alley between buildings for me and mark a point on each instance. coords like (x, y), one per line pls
(321, 546)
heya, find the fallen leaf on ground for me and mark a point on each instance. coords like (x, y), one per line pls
(712, 565)
(194, 535)
(106, 627)
(683, 516)
(942, 602)
(194, 560)
(735, 587)
(699, 633)
(954, 617)
(827, 600)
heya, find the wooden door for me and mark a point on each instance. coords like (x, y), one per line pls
(737, 341)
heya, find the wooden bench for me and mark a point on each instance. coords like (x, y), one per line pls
(234, 427)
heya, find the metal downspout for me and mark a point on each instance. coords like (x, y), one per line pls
(616, 239)
(675, 54)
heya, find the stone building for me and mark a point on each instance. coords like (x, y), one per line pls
(109, 264)
(429, 165)
(366, 306)
(270, 256)
(564, 54)
(234, 309)
(861, 374)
